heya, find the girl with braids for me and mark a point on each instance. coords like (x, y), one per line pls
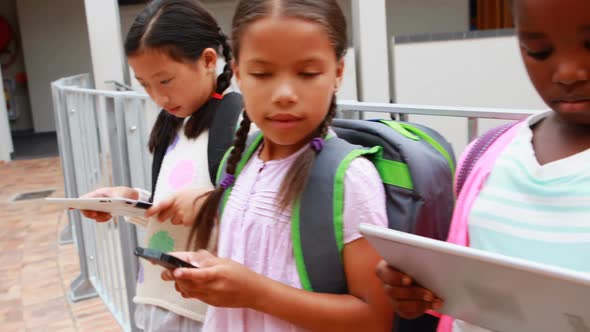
(172, 47)
(252, 281)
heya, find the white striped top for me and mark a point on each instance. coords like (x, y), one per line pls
(534, 212)
(540, 213)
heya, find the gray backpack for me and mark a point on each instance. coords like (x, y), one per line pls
(416, 165)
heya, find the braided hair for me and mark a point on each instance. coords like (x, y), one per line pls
(205, 221)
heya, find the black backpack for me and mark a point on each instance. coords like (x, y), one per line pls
(221, 136)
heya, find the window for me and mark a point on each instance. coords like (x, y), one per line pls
(490, 14)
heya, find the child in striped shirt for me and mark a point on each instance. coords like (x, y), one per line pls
(528, 195)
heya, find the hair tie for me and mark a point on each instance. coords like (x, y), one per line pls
(216, 95)
(228, 181)
(221, 36)
(317, 144)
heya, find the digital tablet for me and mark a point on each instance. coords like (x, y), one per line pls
(493, 291)
(133, 209)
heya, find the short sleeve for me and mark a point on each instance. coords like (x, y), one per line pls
(364, 198)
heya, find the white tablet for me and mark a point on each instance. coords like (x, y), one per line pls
(489, 290)
(133, 209)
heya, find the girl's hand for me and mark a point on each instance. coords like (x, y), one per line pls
(182, 207)
(218, 282)
(409, 300)
(122, 192)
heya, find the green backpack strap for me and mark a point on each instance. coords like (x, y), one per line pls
(317, 231)
(412, 132)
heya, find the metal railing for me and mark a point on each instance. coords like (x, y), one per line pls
(103, 139)
(473, 114)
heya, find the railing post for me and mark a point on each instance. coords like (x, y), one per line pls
(65, 235)
(81, 288)
(121, 176)
(471, 129)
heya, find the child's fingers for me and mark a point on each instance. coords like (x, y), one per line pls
(102, 192)
(178, 219)
(195, 276)
(102, 217)
(189, 290)
(411, 309)
(188, 222)
(437, 304)
(167, 275)
(158, 208)
(97, 216)
(391, 276)
(180, 290)
(183, 291)
(89, 214)
(203, 258)
(176, 286)
(166, 214)
(409, 294)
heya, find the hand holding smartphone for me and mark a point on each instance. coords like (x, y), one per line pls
(161, 258)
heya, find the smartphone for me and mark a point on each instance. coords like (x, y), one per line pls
(140, 204)
(161, 258)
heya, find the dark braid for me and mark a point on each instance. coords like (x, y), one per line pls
(224, 79)
(298, 174)
(205, 220)
(202, 119)
(329, 117)
(239, 145)
(164, 131)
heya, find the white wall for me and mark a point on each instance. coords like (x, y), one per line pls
(222, 10)
(106, 45)
(20, 99)
(411, 17)
(55, 45)
(371, 50)
(408, 17)
(127, 15)
(486, 72)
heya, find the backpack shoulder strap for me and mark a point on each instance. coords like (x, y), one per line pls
(317, 219)
(221, 134)
(222, 130)
(480, 146)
